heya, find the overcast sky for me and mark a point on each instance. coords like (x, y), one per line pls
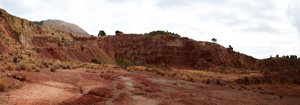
(259, 28)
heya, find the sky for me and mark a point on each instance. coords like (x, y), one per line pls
(259, 28)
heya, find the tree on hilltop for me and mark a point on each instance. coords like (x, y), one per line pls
(159, 32)
(293, 56)
(118, 32)
(214, 40)
(101, 33)
(230, 47)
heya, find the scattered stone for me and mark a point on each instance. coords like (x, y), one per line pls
(52, 69)
(80, 89)
(19, 77)
(37, 70)
(263, 93)
(218, 82)
(207, 81)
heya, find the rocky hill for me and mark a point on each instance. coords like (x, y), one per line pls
(42, 65)
(159, 50)
(61, 25)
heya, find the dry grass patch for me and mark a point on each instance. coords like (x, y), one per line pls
(9, 67)
(23, 65)
(2, 85)
(5, 56)
(56, 66)
(283, 77)
(213, 75)
(190, 75)
(138, 68)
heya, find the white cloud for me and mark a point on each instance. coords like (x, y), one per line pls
(294, 14)
(259, 28)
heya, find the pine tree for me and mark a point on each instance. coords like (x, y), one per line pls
(117, 32)
(230, 47)
(101, 33)
(214, 40)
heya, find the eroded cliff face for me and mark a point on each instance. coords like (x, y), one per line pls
(175, 51)
(155, 50)
(7, 34)
(47, 43)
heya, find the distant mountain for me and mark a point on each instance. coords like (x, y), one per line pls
(61, 25)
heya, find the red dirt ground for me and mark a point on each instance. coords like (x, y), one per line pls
(76, 87)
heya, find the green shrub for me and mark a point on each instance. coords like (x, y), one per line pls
(150, 66)
(230, 47)
(214, 40)
(94, 60)
(159, 32)
(124, 63)
(101, 33)
(133, 63)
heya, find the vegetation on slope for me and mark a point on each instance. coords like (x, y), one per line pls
(159, 32)
(124, 63)
(95, 60)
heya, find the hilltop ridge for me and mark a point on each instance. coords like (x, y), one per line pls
(62, 25)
